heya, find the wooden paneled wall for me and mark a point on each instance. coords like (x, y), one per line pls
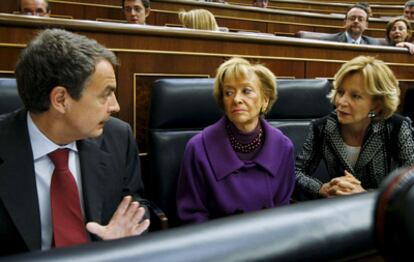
(147, 53)
(164, 12)
(378, 10)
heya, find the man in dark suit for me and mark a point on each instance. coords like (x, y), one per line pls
(67, 84)
(356, 22)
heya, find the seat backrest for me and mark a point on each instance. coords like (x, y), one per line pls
(311, 231)
(393, 216)
(181, 108)
(9, 96)
(311, 35)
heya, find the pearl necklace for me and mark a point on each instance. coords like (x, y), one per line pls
(244, 148)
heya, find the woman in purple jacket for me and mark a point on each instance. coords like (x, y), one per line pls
(240, 163)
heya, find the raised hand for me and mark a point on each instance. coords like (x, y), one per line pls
(125, 222)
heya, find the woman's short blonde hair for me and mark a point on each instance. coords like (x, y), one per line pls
(380, 83)
(198, 19)
(391, 23)
(239, 68)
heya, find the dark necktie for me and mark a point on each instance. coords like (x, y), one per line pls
(67, 219)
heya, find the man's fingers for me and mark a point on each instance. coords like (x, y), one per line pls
(139, 214)
(141, 227)
(95, 228)
(122, 208)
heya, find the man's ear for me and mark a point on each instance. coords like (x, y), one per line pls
(59, 99)
(147, 11)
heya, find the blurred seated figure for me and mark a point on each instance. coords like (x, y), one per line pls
(409, 10)
(363, 140)
(213, 1)
(356, 22)
(260, 3)
(34, 7)
(198, 19)
(398, 33)
(136, 11)
(241, 163)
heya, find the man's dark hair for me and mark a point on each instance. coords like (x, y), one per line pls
(19, 5)
(57, 58)
(145, 3)
(360, 6)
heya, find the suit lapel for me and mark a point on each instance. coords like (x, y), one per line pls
(371, 145)
(93, 163)
(336, 142)
(18, 181)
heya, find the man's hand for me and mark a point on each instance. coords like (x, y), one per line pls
(125, 222)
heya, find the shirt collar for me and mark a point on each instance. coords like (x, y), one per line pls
(349, 39)
(41, 145)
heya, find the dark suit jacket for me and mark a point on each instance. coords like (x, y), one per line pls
(341, 37)
(110, 169)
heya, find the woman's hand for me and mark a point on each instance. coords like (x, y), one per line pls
(340, 186)
(408, 45)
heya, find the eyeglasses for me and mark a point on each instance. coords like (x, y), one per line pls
(353, 18)
(129, 9)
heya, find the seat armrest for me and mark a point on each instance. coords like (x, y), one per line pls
(159, 221)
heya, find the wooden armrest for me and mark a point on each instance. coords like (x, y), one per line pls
(161, 221)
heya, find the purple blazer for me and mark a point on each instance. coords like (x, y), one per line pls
(214, 182)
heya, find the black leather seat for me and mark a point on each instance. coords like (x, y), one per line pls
(394, 215)
(337, 229)
(9, 97)
(180, 108)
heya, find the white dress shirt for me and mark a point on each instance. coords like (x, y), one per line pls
(349, 39)
(41, 146)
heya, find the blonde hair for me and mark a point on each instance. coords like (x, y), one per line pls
(198, 19)
(241, 68)
(380, 83)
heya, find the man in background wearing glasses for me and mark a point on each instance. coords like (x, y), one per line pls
(356, 22)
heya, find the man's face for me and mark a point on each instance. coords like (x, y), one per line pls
(260, 3)
(135, 12)
(34, 7)
(85, 117)
(409, 12)
(356, 22)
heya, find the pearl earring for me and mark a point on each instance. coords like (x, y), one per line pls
(372, 114)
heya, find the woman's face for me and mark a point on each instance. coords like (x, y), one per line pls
(243, 100)
(398, 32)
(352, 101)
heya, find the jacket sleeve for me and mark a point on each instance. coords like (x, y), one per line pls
(191, 189)
(133, 184)
(406, 144)
(307, 162)
(288, 183)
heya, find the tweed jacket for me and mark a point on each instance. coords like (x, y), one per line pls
(375, 161)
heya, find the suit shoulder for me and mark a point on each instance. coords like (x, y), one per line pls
(116, 125)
